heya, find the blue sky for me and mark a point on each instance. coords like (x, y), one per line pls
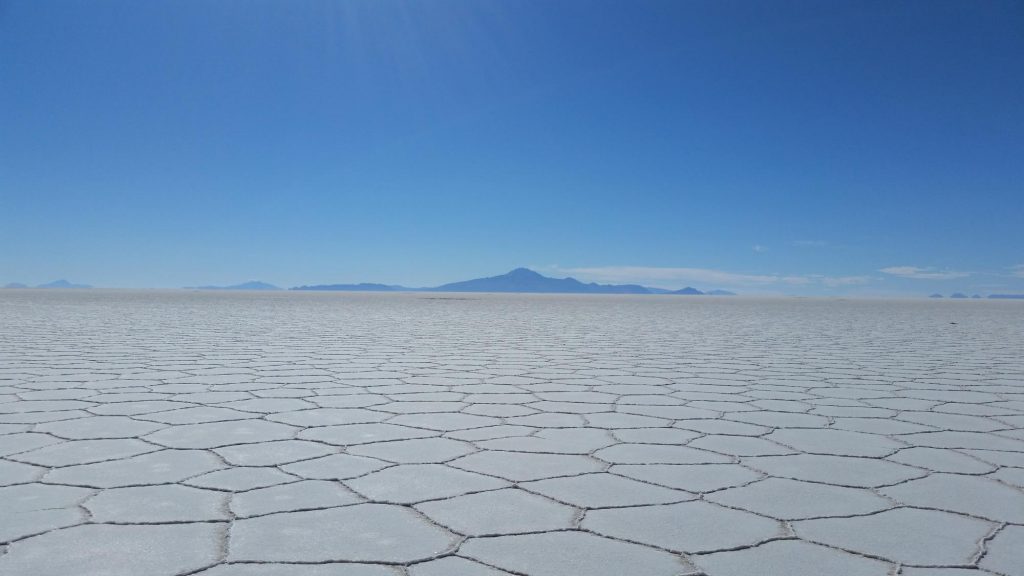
(767, 147)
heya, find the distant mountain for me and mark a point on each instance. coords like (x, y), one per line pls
(16, 285)
(62, 284)
(526, 280)
(250, 285)
(975, 295)
(688, 291)
(958, 295)
(1007, 296)
(362, 287)
(936, 295)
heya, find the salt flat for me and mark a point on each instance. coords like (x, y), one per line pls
(309, 434)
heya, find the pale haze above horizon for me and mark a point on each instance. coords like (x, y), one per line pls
(800, 147)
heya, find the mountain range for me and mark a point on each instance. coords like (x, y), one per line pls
(518, 280)
(521, 280)
(54, 284)
(362, 287)
(250, 285)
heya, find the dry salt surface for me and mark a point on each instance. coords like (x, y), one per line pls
(304, 434)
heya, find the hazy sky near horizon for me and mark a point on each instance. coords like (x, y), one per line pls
(766, 147)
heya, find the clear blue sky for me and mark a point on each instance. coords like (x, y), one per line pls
(777, 147)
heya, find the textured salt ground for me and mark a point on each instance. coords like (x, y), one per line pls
(284, 434)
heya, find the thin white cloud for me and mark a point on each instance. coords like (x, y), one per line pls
(836, 281)
(759, 248)
(918, 273)
(705, 277)
(656, 274)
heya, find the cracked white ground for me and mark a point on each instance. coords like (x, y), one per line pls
(299, 434)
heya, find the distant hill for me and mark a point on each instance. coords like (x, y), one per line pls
(958, 295)
(16, 285)
(62, 284)
(1007, 296)
(250, 285)
(936, 295)
(526, 280)
(688, 291)
(362, 287)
